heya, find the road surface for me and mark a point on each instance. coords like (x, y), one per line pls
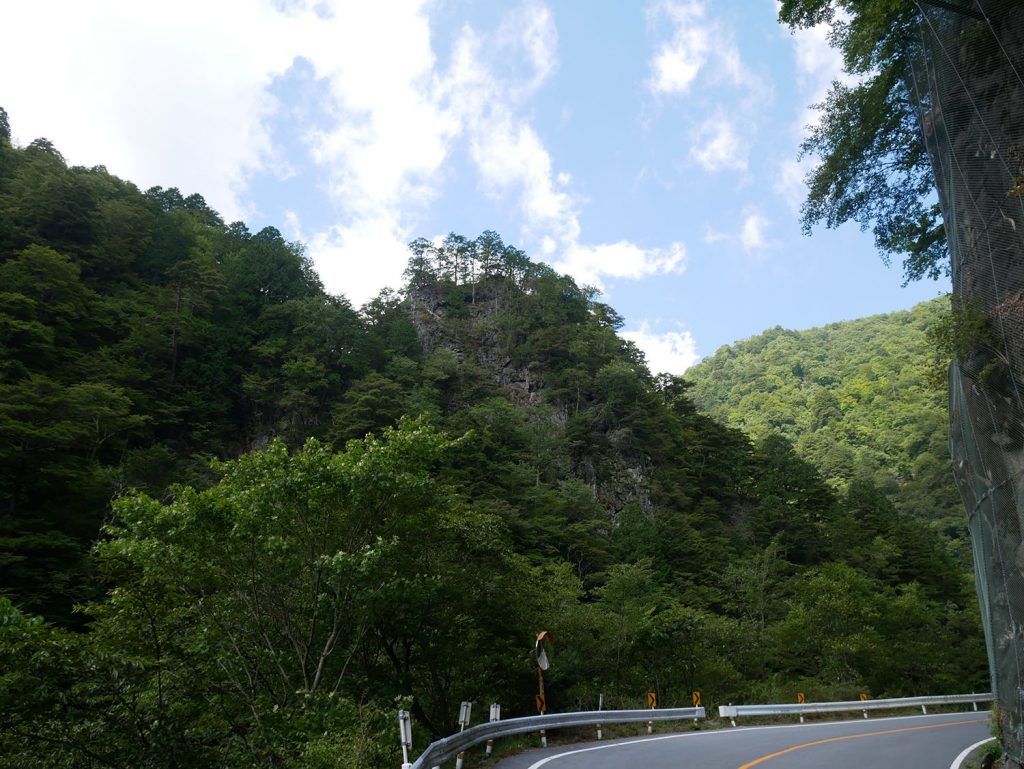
(913, 742)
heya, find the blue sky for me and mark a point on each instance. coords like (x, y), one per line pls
(647, 149)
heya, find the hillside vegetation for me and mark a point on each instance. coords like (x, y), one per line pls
(242, 523)
(863, 399)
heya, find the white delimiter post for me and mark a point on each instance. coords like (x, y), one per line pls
(600, 706)
(464, 710)
(405, 735)
(495, 716)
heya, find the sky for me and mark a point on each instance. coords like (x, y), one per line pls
(649, 150)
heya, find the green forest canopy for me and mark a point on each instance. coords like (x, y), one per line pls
(244, 522)
(863, 399)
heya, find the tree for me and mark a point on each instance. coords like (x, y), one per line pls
(874, 167)
(957, 68)
(258, 622)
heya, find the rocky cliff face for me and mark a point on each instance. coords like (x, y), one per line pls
(476, 337)
(973, 124)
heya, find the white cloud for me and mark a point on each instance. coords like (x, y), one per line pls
(670, 352)
(700, 54)
(696, 43)
(138, 86)
(678, 60)
(360, 260)
(789, 183)
(512, 160)
(752, 232)
(751, 235)
(510, 155)
(717, 145)
(533, 28)
(712, 236)
(390, 134)
(588, 264)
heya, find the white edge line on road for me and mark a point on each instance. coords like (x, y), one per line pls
(954, 765)
(543, 761)
(967, 751)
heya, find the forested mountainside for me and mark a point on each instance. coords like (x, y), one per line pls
(243, 522)
(862, 399)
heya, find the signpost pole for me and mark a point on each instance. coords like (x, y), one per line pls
(542, 664)
(542, 705)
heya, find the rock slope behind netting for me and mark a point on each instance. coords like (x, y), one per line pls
(970, 93)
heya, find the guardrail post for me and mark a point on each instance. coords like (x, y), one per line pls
(924, 710)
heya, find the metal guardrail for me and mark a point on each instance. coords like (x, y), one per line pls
(449, 747)
(735, 711)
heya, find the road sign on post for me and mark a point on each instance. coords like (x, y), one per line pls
(539, 649)
(543, 663)
(652, 699)
(800, 698)
(695, 696)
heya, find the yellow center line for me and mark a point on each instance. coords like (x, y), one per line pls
(757, 761)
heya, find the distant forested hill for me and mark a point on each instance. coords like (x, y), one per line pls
(242, 522)
(860, 399)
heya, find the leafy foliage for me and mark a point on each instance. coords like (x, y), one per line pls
(243, 523)
(863, 399)
(873, 165)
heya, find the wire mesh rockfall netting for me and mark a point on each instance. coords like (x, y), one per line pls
(966, 77)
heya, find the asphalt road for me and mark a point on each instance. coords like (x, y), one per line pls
(914, 742)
